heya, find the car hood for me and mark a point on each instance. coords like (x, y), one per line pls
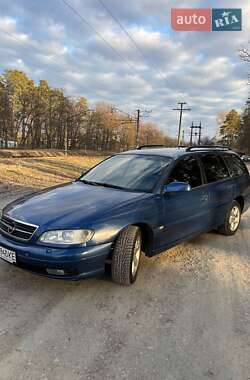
(70, 206)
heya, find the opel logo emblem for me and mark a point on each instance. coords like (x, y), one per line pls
(11, 229)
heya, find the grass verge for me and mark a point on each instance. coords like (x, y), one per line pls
(44, 171)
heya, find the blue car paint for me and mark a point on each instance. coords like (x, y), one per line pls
(167, 218)
(76, 205)
(175, 187)
(77, 262)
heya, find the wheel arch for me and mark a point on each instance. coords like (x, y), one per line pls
(147, 237)
(241, 202)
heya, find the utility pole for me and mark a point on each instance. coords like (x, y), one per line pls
(66, 139)
(181, 109)
(134, 119)
(199, 139)
(183, 138)
(137, 139)
(191, 135)
(140, 114)
(196, 134)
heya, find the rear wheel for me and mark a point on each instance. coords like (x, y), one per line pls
(232, 220)
(126, 256)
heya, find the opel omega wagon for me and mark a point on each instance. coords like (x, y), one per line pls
(144, 200)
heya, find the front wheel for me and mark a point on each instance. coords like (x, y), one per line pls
(232, 220)
(126, 256)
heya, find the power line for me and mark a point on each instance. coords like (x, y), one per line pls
(134, 119)
(154, 67)
(98, 34)
(58, 75)
(181, 109)
(116, 109)
(71, 95)
(113, 108)
(139, 49)
(83, 20)
(12, 36)
(115, 51)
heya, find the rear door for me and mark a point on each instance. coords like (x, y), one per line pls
(184, 214)
(240, 177)
(219, 184)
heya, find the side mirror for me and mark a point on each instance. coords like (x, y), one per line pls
(175, 187)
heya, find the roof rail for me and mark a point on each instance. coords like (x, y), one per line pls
(149, 146)
(212, 147)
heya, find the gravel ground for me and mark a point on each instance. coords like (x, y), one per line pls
(187, 317)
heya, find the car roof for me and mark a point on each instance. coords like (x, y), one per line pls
(168, 152)
(175, 152)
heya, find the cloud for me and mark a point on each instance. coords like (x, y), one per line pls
(47, 40)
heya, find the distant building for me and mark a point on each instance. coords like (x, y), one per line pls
(10, 144)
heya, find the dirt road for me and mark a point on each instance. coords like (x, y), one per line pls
(186, 318)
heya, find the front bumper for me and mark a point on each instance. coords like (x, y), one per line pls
(71, 263)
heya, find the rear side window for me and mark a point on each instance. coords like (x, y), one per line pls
(214, 167)
(235, 165)
(187, 170)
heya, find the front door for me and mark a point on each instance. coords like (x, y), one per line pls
(184, 213)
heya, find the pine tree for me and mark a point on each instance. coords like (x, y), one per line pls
(230, 128)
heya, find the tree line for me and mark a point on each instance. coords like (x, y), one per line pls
(235, 129)
(39, 116)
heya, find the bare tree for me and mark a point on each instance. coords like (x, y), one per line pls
(38, 116)
(244, 54)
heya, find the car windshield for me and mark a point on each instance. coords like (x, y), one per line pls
(128, 171)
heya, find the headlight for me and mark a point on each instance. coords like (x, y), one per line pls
(67, 236)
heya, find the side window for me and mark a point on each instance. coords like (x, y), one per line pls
(187, 170)
(214, 167)
(235, 165)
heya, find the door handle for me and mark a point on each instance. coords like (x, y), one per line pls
(204, 197)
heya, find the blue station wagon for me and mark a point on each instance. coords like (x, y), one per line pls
(144, 200)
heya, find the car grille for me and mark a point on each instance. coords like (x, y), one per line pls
(17, 229)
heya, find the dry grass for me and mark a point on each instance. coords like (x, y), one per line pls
(44, 171)
(37, 153)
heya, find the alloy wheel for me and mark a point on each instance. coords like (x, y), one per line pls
(234, 218)
(136, 255)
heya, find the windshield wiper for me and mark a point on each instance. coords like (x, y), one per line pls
(109, 185)
(102, 184)
(89, 182)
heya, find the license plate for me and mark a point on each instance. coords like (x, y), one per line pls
(7, 255)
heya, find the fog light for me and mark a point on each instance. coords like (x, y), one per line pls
(58, 272)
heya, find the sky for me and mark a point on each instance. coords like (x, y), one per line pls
(48, 40)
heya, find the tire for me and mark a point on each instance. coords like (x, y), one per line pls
(232, 220)
(126, 257)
